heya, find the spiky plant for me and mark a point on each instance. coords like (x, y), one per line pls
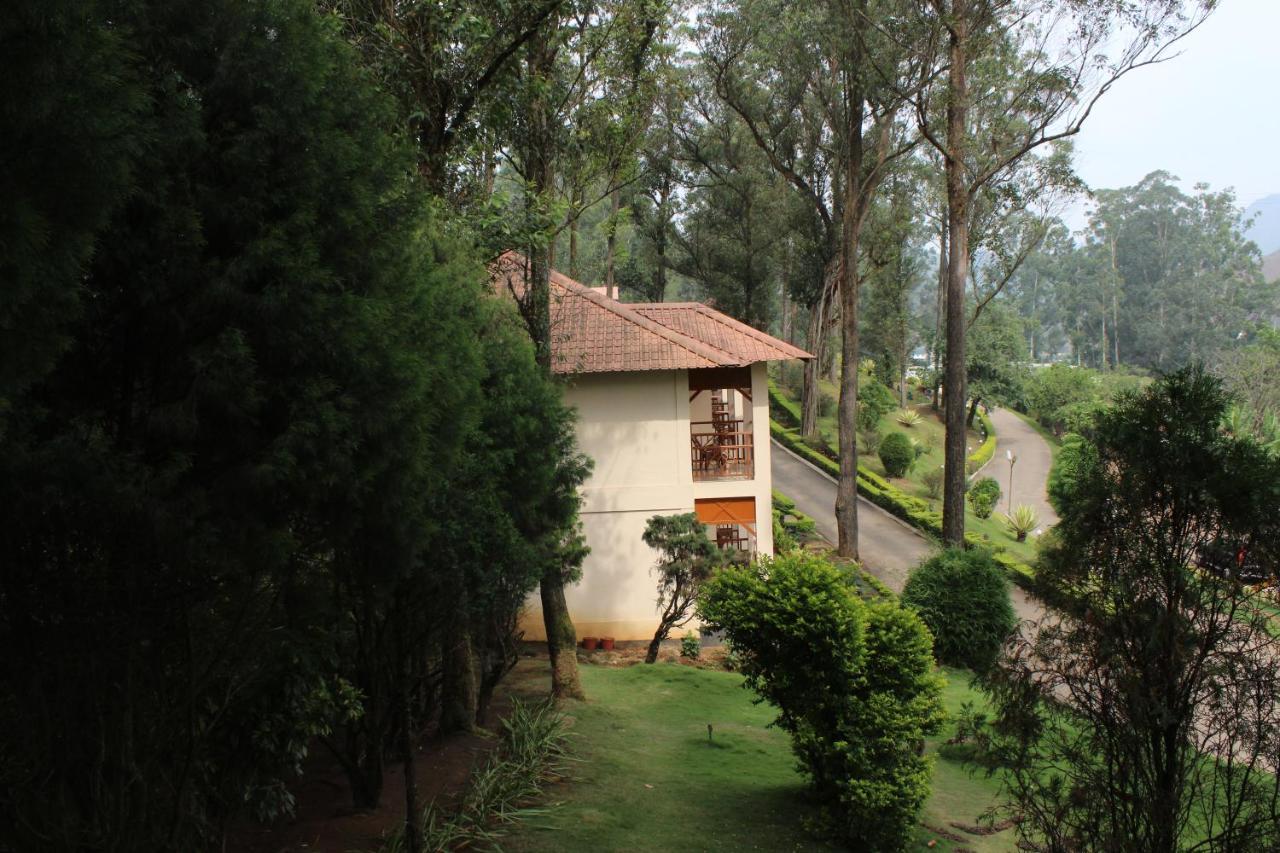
(909, 418)
(1021, 521)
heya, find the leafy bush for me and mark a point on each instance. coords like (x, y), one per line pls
(897, 454)
(1021, 521)
(853, 683)
(874, 402)
(933, 479)
(983, 496)
(690, 647)
(963, 596)
(1072, 458)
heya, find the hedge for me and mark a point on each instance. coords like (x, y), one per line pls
(787, 413)
(983, 454)
(893, 500)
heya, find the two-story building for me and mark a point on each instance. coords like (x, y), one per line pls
(673, 407)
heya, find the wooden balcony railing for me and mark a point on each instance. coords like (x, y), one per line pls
(722, 454)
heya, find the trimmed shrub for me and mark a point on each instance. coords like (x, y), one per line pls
(983, 496)
(897, 454)
(963, 596)
(933, 479)
(853, 683)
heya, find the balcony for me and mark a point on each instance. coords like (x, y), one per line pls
(721, 450)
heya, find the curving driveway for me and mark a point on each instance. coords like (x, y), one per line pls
(1030, 471)
(889, 547)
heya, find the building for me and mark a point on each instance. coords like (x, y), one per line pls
(673, 407)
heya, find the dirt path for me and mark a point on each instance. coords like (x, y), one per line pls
(1030, 472)
(889, 548)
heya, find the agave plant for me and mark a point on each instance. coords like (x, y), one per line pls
(908, 417)
(1270, 437)
(1021, 521)
(1235, 421)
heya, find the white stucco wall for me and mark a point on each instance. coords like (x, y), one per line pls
(635, 426)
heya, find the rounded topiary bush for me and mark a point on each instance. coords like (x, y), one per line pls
(963, 596)
(983, 496)
(897, 454)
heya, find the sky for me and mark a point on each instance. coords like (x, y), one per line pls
(1212, 114)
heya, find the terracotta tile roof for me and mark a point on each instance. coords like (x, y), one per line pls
(591, 333)
(720, 330)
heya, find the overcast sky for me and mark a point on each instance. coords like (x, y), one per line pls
(1210, 115)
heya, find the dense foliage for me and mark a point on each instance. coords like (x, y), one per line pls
(963, 598)
(274, 470)
(853, 683)
(1146, 718)
(983, 496)
(897, 454)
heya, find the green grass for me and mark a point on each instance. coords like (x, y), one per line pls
(648, 779)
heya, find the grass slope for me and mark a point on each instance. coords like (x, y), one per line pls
(648, 779)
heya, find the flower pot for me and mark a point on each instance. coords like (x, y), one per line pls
(589, 643)
(606, 643)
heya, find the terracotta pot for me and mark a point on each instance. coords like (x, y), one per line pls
(606, 643)
(589, 643)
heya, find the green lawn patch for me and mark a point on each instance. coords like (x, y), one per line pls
(647, 778)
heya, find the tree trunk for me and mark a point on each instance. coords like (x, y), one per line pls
(973, 411)
(957, 274)
(810, 394)
(611, 244)
(1115, 304)
(574, 225)
(938, 317)
(412, 829)
(847, 488)
(459, 691)
(562, 639)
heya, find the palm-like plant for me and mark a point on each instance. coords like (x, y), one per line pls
(1021, 521)
(908, 417)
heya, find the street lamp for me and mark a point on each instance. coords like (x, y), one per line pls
(1008, 454)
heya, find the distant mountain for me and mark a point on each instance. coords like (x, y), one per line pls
(1265, 230)
(1271, 266)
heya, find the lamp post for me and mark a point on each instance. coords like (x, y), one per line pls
(1012, 459)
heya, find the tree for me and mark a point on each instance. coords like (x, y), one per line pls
(688, 559)
(271, 367)
(828, 88)
(1061, 59)
(446, 63)
(997, 359)
(1146, 718)
(857, 712)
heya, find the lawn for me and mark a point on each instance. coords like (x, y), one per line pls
(648, 777)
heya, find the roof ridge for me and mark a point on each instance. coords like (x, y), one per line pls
(693, 345)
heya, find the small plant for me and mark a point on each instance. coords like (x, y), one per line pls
(870, 439)
(983, 496)
(963, 596)
(498, 793)
(897, 454)
(1021, 521)
(933, 479)
(909, 418)
(689, 647)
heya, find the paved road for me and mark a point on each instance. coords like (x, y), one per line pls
(1030, 471)
(888, 547)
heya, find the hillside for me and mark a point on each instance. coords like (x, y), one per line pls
(1265, 230)
(1271, 266)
